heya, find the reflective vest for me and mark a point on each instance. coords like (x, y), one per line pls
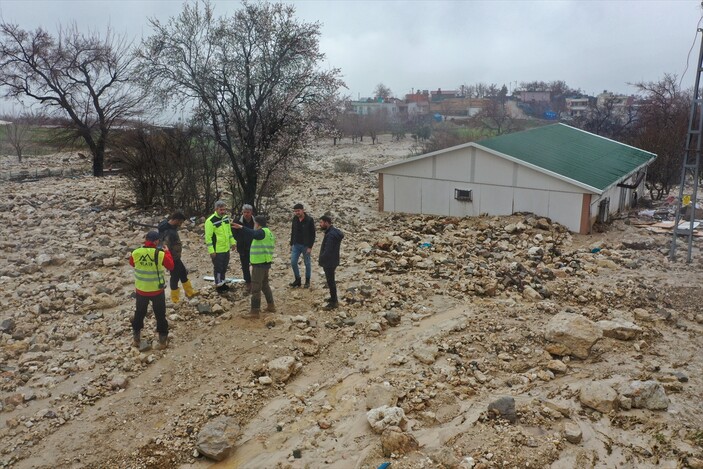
(262, 249)
(148, 276)
(218, 234)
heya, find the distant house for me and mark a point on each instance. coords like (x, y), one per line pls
(440, 95)
(620, 103)
(577, 107)
(458, 106)
(367, 106)
(571, 176)
(417, 103)
(544, 97)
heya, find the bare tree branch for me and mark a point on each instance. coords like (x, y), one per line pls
(254, 76)
(85, 77)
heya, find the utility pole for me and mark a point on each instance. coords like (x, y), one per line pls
(691, 164)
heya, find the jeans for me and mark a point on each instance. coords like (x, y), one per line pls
(297, 250)
(158, 302)
(329, 275)
(259, 283)
(179, 274)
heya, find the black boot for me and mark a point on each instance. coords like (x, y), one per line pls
(163, 341)
(307, 283)
(296, 282)
(136, 338)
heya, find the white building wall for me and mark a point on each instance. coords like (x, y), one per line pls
(495, 200)
(499, 187)
(530, 200)
(436, 197)
(407, 195)
(490, 169)
(454, 166)
(418, 168)
(565, 208)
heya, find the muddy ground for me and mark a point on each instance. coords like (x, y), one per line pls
(440, 317)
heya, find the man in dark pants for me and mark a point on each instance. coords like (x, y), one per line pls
(149, 282)
(302, 238)
(261, 258)
(244, 239)
(168, 231)
(329, 257)
(219, 241)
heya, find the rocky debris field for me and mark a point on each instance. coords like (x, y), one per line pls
(490, 342)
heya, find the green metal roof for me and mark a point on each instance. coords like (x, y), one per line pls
(575, 154)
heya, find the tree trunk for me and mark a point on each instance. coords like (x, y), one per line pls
(99, 161)
(249, 191)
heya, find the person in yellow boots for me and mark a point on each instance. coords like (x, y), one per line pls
(149, 282)
(168, 234)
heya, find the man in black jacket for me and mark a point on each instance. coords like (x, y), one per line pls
(329, 257)
(168, 235)
(244, 239)
(302, 238)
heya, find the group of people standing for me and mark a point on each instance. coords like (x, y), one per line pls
(255, 244)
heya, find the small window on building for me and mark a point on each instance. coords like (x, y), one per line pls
(463, 195)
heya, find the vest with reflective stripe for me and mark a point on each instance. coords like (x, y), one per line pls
(146, 276)
(262, 249)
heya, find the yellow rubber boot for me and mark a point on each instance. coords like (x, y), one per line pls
(175, 296)
(190, 291)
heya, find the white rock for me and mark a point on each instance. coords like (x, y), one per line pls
(383, 417)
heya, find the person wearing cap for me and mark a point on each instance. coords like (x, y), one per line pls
(261, 257)
(168, 232)
(244, 240)
(219, 241)
(329, 257)
(149, 282)
(302, 238)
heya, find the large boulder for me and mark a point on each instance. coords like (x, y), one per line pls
(503, 407)
(217, 438)
(282, 368)
(575, 334)
(619, 329)
(646, 395)
(383, 417)
(599, 396)
(396, 441)
(425, 353)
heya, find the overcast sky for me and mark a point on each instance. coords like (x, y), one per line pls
(592, 45)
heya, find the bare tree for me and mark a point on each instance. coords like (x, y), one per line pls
(87, 78)
(495, 117)
(478, 90)
(18, 134)
(662, 122)
(609, 119)
(254, 77)
(375, 123)
(382, 91)
(352, 127)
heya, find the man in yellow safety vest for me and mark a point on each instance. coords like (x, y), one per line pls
(219, 241)
(260, 258)
(149, 282)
